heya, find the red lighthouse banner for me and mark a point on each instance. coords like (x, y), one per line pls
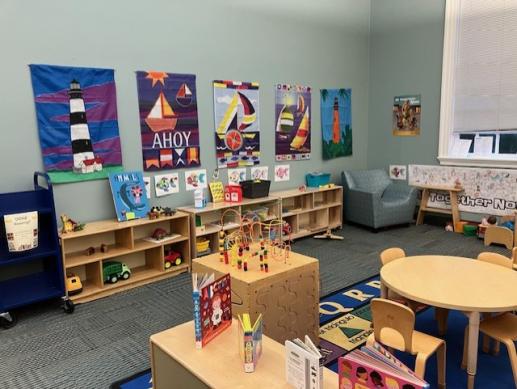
(336, 122)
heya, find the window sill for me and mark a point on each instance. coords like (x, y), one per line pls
(479, 162)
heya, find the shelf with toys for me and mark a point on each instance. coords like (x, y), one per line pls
(108, 256)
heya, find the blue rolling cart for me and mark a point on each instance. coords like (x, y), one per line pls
(34, 275)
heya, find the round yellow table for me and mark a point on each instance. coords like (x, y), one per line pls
(457, 283)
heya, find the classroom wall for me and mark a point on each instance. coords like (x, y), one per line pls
(290, 41)
(406, 40)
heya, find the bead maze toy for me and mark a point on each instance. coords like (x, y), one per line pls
(253, 239)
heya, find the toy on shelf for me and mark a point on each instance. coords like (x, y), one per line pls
(69, 225)
(104, 248)
(112, 271)
(171, 258)
(73, 284)
(155, 213)
(233, 193)
(90, 251)
(202, 247)
(167, 211)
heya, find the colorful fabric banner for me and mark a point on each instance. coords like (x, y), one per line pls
(293, 122)
(336, 122)
(76, 111)
(168, 120)
(237, 132)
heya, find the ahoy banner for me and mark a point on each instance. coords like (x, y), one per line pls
(168, 120)
(293, 122)
(237, 127)
(486, 191)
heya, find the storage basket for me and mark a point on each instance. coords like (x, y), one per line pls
(469, 230)
(253, 189)
(314, 180)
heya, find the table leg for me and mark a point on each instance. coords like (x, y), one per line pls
(472, 348)
(454, 209)
(384, 291)
(423, 205)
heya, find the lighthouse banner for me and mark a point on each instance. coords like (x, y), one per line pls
(292, 122)
(168, 120)
(237, 127)
(76, 110)
(336, 122)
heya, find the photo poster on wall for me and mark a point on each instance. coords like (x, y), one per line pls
(235, 176)
(485, 190)
(76, 110)
(237, 125)
(406, 115)
(196, 179)
(166, 184)
(336, 122)
(168, 120)
(128, 191)
(293, 122)
(259, 172)
(282, 173)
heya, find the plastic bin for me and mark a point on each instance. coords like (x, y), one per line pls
(254, 189)
(469, 230)
(314, 180)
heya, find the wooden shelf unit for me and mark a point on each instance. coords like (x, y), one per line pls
(126, 243)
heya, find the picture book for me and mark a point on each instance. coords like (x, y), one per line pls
(212, 306)
(304, 368)
(375, 367)
(129, 195)
(250, 341)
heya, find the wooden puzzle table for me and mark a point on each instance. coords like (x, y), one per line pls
(175, 362)
(457, 283)
(424, 207)
(287, 295)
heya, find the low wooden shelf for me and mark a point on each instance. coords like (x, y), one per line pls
(126, 243)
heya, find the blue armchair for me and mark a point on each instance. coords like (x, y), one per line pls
(371, 199)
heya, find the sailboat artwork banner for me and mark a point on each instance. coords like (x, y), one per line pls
(293, 122)
(76, 110)
(168, 120)
(237, 133)
(336, 122)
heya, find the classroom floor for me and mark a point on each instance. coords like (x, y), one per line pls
(106, 340)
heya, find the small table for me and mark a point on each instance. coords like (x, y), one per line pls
(287, 295)
(453, 193)
(458, 283)
(174, 359)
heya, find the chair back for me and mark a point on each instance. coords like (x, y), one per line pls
(391, 254)
(366, 180)
(495, 259)
(393, 324)
(514, 258)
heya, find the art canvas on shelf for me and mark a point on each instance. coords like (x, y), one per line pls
(282, 172)
(259, 172)
(237, 126)
(168, 120)
(235, 176)
(128, 191)
(293, 122)
(76, 111)
(196, 179)
(166, 184)
(406, 115)
(336, 122)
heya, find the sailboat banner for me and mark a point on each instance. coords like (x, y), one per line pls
(168, 120)
(76, 109)
(292, 122)
(237, 127)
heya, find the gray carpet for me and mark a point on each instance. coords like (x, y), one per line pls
(106, 340)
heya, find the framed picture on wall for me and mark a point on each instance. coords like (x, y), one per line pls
(406, 115)
(398, 172)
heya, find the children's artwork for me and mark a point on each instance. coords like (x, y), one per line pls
(259, 172)
(195, 179)
(128, 189)
(235, 176)
(147, 181)
(282, 173)
(166, 184)
(336, 122)
(293, 122)
(168, 120)
(76, 109)
(406, 115)
(237, 133)
(398, 172)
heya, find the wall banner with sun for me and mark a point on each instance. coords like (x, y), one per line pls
(168, 120)
(237, 131)
(293, 122)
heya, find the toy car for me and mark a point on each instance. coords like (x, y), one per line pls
(112, 271)
(168, 211)
(172, 258)
(73, 284)
(159, 234)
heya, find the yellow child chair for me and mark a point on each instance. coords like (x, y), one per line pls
(394, 327)
(441, 314)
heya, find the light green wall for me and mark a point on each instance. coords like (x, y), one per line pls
(321, 44)
(406, 40)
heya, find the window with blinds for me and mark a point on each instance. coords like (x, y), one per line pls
(480, 76)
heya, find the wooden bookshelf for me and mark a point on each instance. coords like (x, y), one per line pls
(126, 243)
